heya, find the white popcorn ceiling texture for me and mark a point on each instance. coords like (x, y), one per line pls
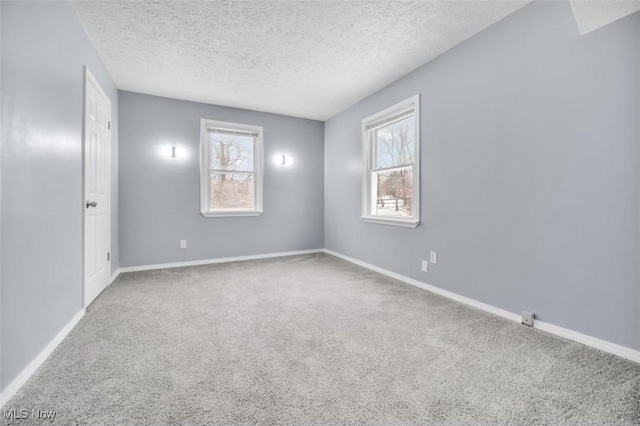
(308, 59)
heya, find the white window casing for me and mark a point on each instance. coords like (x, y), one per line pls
(235, 198)
(392, 161)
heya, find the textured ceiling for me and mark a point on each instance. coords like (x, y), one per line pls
(308, 59)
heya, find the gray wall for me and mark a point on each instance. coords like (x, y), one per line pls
(44, 49)
(529, 173)
(160, 196)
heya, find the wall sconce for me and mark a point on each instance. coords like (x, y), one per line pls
(282, 160)
(173, 151)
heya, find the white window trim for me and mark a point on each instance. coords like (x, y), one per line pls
(366, 169)
(205, 179)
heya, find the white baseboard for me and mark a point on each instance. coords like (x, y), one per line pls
(219, 260)
(448, 294)
(33, 366)
(603, 345)
(114, 276)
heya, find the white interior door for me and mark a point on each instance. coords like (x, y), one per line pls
(97, 200)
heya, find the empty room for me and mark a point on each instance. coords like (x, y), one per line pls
(320, 212)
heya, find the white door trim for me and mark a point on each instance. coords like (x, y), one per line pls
(90, 79)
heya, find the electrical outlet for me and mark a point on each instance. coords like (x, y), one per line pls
(434, 257)
(183, 244)
(527, 318)
(425, 266)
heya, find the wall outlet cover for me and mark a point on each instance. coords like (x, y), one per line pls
(527, 318)
(425, 266)
(434, 257)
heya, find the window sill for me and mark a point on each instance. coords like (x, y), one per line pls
(231, 213)
(393, 222)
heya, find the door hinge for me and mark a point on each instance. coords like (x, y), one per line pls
(108, 256)
(109, 125)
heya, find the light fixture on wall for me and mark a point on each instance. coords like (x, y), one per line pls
(173, 151)
(282, 160)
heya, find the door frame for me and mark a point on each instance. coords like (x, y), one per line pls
(90, 79)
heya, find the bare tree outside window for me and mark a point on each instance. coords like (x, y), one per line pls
(391, 165)
(232, 171)
(394, 150)
(395, 144)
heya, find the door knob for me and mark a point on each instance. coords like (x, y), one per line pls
(92, 204)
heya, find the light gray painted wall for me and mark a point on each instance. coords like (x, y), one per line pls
(529, 173)
(44, 49)
(160, 196)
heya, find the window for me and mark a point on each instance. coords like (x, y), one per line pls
(230, 169)
(391, 180)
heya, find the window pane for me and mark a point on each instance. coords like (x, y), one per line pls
(231, 152)
(392, 192)
(394, 143)
(232, 191)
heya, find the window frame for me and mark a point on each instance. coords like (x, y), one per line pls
(205, 171)
(368, 154)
